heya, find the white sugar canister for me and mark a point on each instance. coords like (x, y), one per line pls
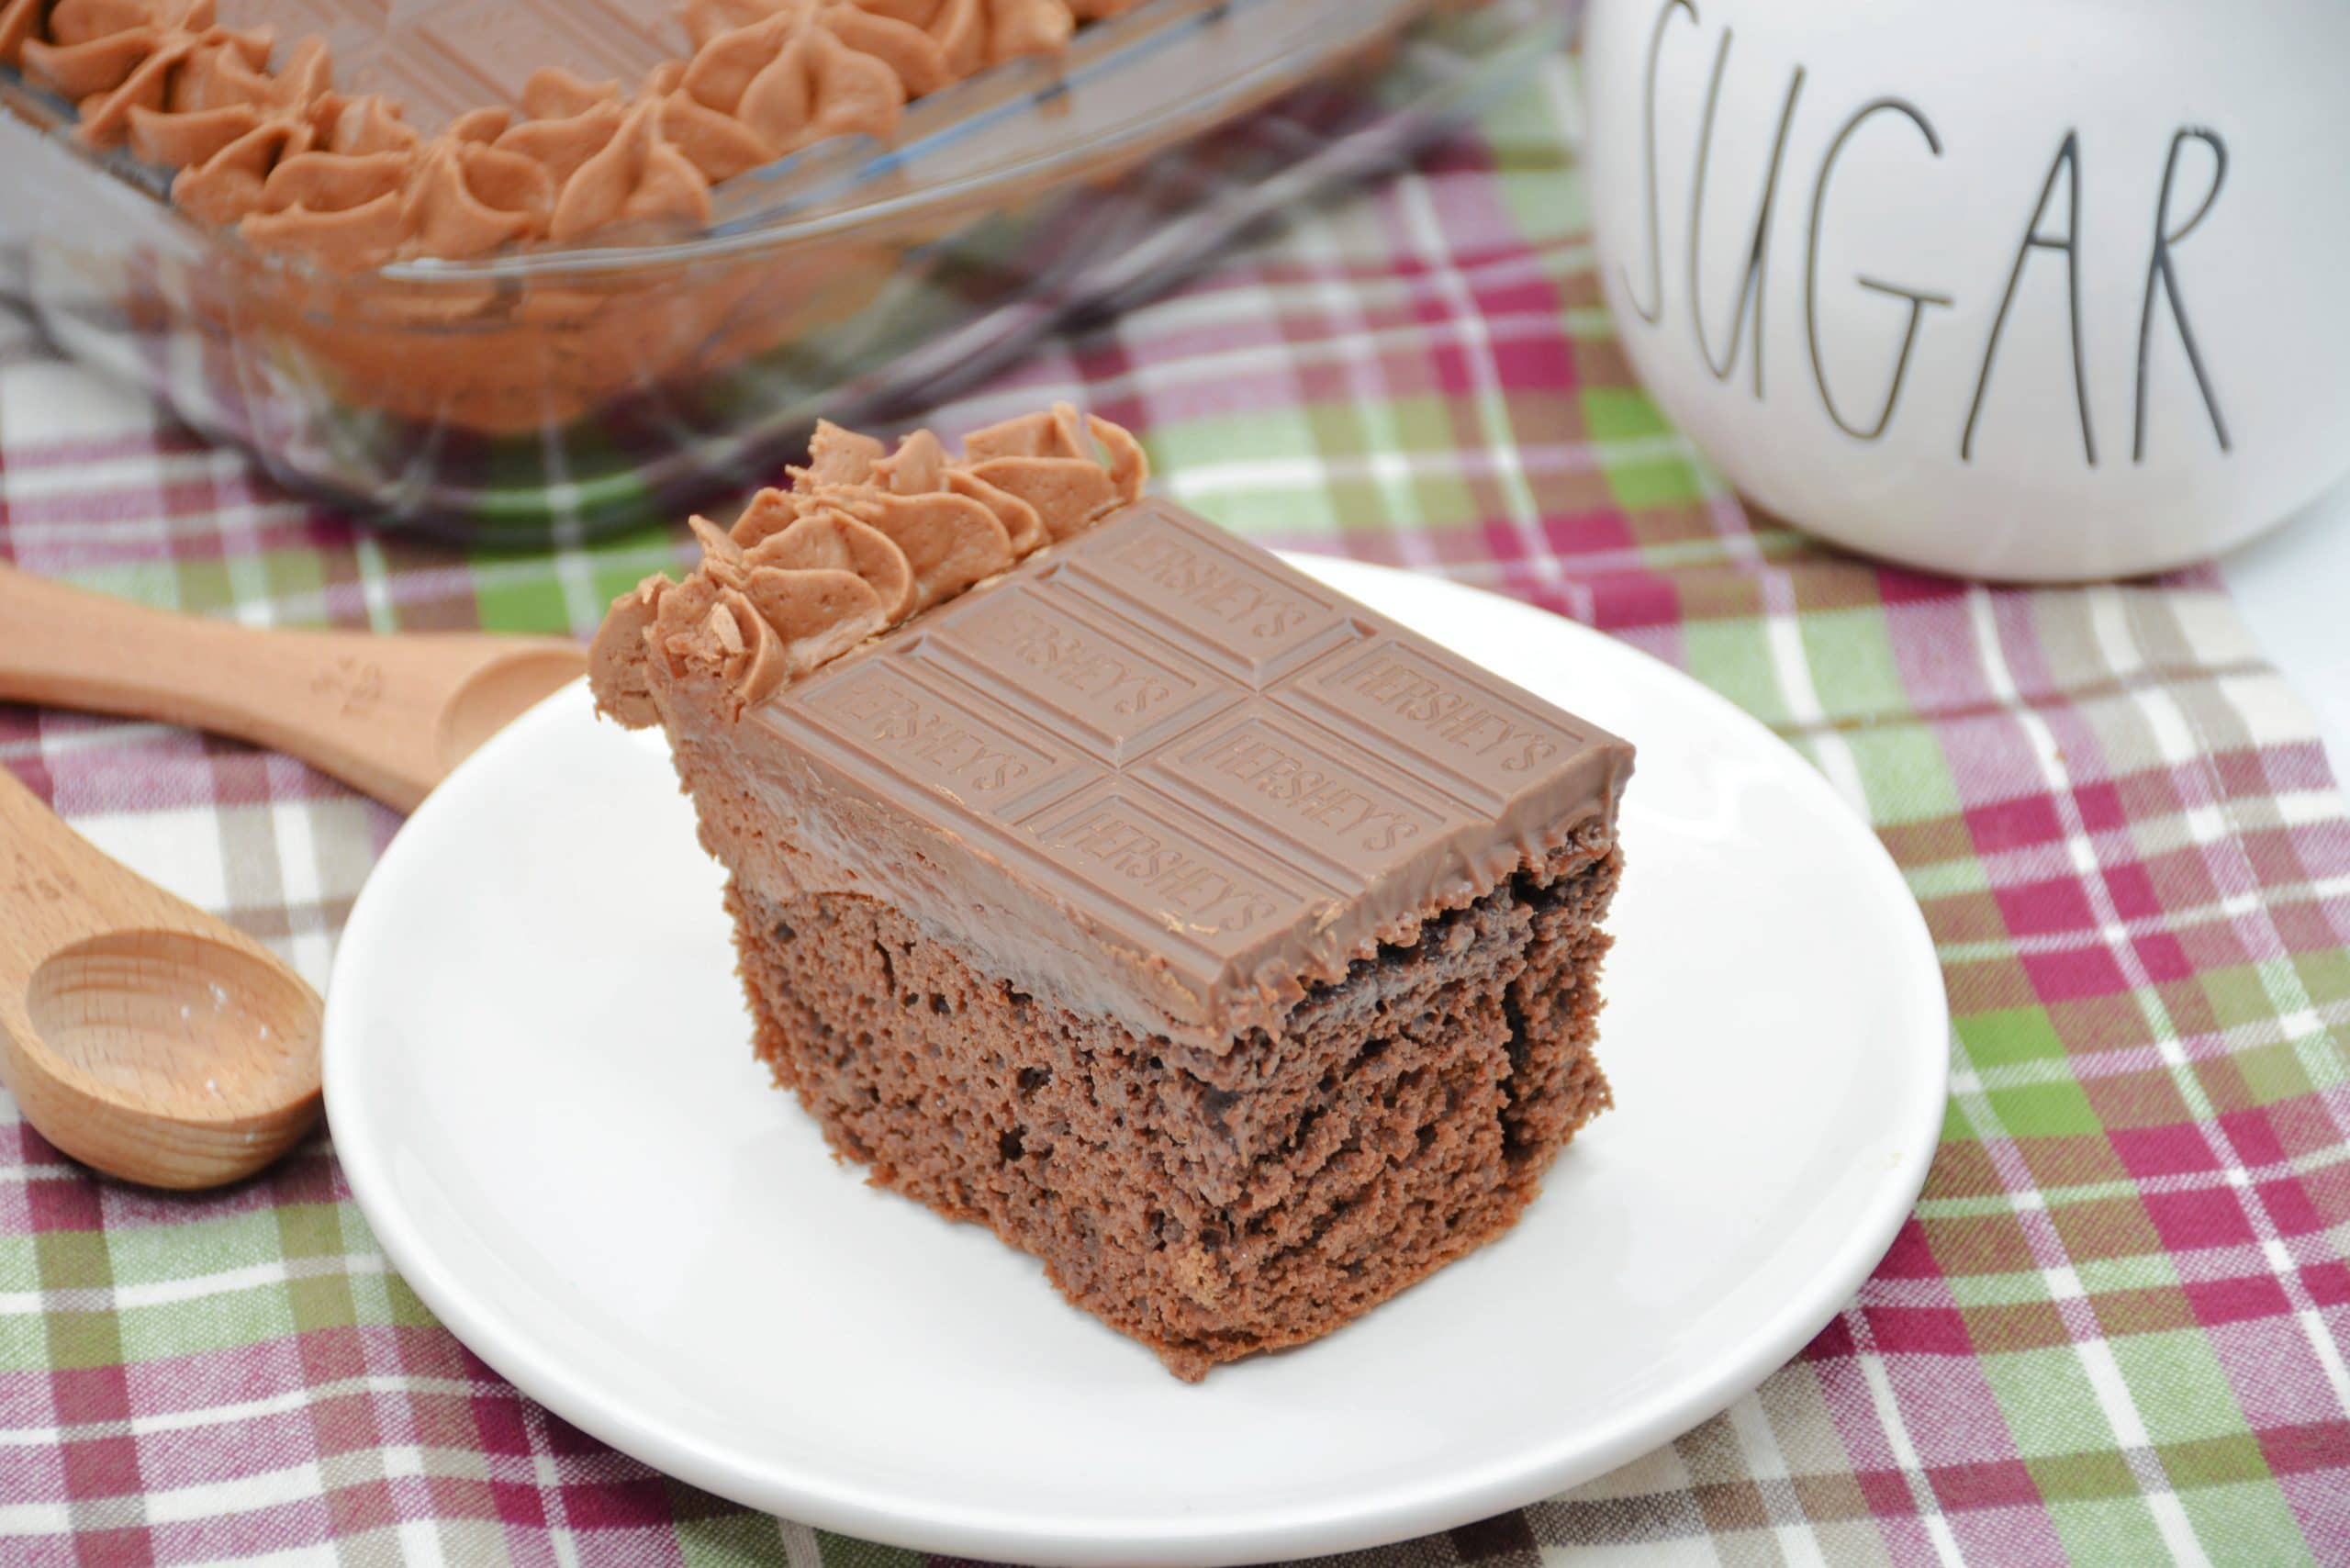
(2022, 289)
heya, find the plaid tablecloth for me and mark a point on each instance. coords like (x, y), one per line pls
(2115, 1331)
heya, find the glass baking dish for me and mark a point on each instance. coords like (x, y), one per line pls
(569, 391)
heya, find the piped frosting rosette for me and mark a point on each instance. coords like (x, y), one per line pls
(19, 20)
(118, 58)
(864, 539)
(294, 164)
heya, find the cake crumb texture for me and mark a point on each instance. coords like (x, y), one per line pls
(1211, 1206)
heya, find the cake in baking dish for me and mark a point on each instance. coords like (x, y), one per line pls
(266, 140)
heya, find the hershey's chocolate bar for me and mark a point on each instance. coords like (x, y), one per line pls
(1179, 737)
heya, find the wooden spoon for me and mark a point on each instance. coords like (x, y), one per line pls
(139, 1034)
(389, 716)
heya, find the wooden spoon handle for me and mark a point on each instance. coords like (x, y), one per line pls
(388, 715)
(56, 888)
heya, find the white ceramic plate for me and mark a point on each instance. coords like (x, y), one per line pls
(540, 1081)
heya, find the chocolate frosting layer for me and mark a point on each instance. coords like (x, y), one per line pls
(1152, 773)
(295, 164)
(864, 539)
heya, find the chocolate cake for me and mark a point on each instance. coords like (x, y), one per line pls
(1098, 878)
(264, 141)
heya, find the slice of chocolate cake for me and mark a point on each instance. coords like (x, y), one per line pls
(1098, 878)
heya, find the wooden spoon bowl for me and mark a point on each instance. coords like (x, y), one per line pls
(139, 1034)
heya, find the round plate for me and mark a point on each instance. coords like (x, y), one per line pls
(539, 1076)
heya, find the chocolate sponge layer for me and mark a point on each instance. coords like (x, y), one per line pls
(1210, 1205)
